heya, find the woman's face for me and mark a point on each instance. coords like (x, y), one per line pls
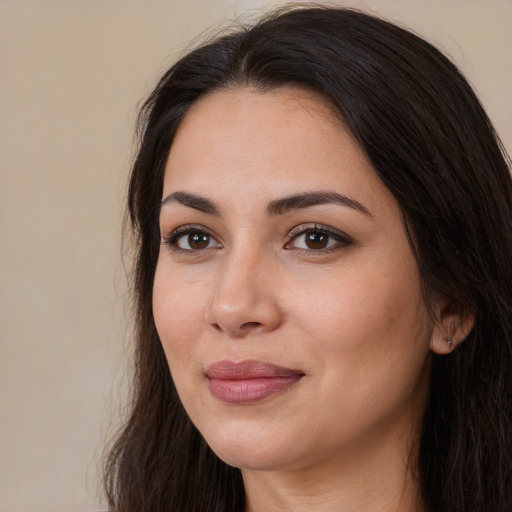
(286, 296)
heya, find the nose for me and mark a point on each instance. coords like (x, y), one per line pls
(244, 298)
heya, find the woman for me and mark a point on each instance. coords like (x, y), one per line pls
(322, 213)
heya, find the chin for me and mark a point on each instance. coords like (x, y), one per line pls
(252, 449)
(254, 459)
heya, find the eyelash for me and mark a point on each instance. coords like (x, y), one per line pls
(188, 230)
(340, 239)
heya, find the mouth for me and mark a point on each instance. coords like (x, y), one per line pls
(248, 382)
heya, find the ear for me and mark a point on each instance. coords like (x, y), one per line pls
(451, 329)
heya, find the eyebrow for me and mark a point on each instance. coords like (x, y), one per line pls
(308, 199)
(275, 207)
(192, 201)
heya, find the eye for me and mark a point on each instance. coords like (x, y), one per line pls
(189, 238)
(317, 238)
(195, 241)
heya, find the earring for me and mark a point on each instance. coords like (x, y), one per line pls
(450, 343)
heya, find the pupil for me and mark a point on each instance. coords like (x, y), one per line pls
(198, 240)
(316, 240)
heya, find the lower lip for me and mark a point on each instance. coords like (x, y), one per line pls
(248, 391)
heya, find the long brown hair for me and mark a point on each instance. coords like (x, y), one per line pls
(433, 146)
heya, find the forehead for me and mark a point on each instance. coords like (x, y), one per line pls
(277, 142)
(248, 119)
(284, 99)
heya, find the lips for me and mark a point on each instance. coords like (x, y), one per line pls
(248, 382)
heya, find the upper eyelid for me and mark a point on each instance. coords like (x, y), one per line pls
(305, 227)
(186, 229)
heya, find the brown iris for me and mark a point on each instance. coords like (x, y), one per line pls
(316, 240)
(198, 240)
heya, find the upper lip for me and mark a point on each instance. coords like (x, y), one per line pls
(249, 369)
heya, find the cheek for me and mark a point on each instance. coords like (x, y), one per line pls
(368, 344)
(178, 312)
(351, 307)
(370, 326)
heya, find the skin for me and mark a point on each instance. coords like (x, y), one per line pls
(350, 317)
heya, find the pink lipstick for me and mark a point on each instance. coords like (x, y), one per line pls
(249, 381)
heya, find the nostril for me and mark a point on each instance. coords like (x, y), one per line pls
(250, 325)
(239, 330)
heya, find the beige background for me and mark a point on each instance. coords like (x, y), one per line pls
(71, 75)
